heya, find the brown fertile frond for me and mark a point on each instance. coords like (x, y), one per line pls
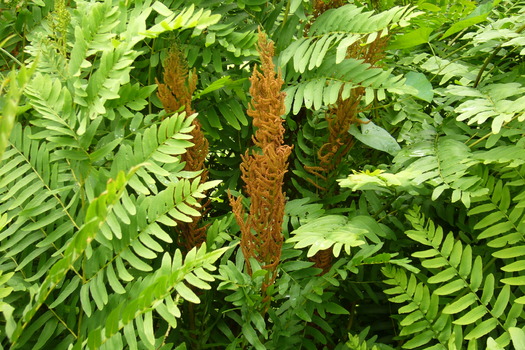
(267, 104)
(176, 93)
(371, 53)
(323, 260)
(340, 117)
(179, 84)
(263, 169)
(263, 175)
(344, 113)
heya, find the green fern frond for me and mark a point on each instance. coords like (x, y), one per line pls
(498, 103)
(327, 231)
(336, 20)
(130, 251)
(11, 90)
(472, 299)
(510, 156)
(322, 86)
(92, 33)
(55, 114)
(158, 148)
(360, 342)
(300, 211)
(333, 28)
(96, 215)
(503, 225)
(444, 164)
(156, 293)
(423, 323)
(506, 32)
(501, 222)
(449, 69)
(39, 193)
(187, 18)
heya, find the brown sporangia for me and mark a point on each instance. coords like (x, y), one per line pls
(263, 168)
(344, 113)
(340, 117)
(176, 94)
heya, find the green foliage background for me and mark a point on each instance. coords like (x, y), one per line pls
(424, 217)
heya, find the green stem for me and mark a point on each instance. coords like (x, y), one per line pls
(491, 57)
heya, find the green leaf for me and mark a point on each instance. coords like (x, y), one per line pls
(187, 293)
(463, 24)
(249, 333)
(482, 329)
(460, 304)
(509, 253)
(67, 291)
(376, 137)
(471, 316)
(450, 287)
(514, 281)
(413, 38)
(334, 308)
(420, 82)
(419, 340)
(518, 337)
(502, 301)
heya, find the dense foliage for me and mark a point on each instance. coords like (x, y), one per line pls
(257, 174)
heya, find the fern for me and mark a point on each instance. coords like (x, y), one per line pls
(16, 83)
(390, 108)
(503, 227)
(474, 304)
(156, 293)
(322, 86)
(327, 231)
(327, 71)
(444, 163)
(500, 103)
(359, 342)
(89, 190)
(332, 28)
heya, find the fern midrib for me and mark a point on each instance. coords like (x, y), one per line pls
(35, 171)
(429, 322)
(489, 311)
(128, 247)
(180, 279)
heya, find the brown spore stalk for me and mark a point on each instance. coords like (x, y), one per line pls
(176, 94)
(344, 113)
(263, 168)
(339, 143)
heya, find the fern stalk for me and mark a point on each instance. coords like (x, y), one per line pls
(263, 169)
